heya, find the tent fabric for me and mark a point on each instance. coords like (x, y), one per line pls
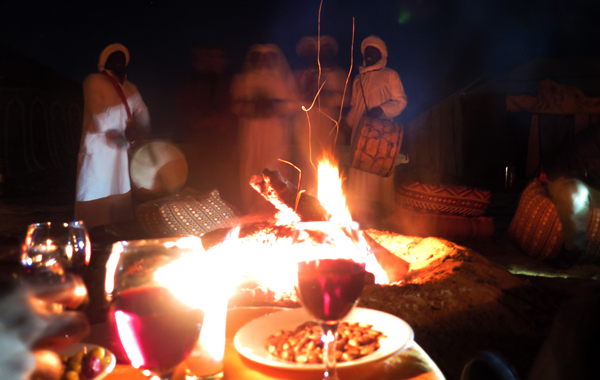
(471, 136)
(548, 132)
(554, 98)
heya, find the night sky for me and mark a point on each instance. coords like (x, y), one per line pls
(437, 46)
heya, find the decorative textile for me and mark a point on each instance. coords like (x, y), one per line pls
(417, 223)
(554, 98)
(443, 199)
(186, 213)
(535, 226)
(537, 230)
(591, 254)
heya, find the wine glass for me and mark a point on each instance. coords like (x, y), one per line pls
(152, 328)
(330, 281)
(50, 249)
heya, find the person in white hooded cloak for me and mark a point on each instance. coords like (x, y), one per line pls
(378, 92)
(103, 193)
(264, 97)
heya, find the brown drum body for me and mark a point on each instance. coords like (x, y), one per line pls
(157, 168)
(376, 146)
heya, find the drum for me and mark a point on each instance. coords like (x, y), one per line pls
(376, 146)
(157, 168)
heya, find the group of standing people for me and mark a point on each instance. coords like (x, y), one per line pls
(268, 99)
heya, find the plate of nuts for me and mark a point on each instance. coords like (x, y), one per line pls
(84, 361)
(291, 339)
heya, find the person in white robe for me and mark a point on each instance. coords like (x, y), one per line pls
(103, 192)
(264, 96)
(371, 196)
(320, 136)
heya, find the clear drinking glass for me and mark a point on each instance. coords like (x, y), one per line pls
(154, 329)
(330, 281)
(53, 248)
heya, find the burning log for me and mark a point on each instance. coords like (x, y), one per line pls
(394, 267)
(283, 194)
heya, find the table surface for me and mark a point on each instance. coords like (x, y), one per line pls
(412, 363)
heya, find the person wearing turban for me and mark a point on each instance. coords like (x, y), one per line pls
(264, 97)
(378, 92)
(103, 193)
(313, 140)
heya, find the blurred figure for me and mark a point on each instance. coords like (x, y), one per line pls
(30, 332)
(264, 97)
(114, 115)
(209, 128)
(377, 92)
(326, 110)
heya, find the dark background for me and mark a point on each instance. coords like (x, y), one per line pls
(437, 46)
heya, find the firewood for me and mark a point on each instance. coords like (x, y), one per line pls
(394, 267)
(279, 191)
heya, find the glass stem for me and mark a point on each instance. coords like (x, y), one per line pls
(329, 343)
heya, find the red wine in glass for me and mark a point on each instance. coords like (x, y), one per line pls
(156, 330)
(329, 288)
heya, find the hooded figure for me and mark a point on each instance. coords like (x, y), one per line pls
(379, 87)
(312, 143)
(264, 96)
(103, 189)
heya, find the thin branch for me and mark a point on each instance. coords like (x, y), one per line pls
(337, 125)
(299, 179)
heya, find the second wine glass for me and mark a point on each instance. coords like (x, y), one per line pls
(329, 287)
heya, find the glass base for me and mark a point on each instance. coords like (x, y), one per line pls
(191, 376)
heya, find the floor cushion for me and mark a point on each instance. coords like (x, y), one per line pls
(186, 213)
(537, 229)
(452, 227)
(535, 226)
(443, 199)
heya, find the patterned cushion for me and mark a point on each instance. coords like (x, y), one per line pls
(186, 213)
(416, 223)
(537, 230)
(443, 199)
(592, 250)
(535, 226)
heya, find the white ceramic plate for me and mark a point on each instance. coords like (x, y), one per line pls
(87, 347)
(250, 339)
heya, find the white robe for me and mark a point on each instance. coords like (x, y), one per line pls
(263, 140)
(103, 186)
(382, 88)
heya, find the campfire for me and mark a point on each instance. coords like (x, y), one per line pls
(449, 297)
(261, 258)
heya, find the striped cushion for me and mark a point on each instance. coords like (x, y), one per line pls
(592, 250)
(443, 199)
(416, 223)
(537, 230)
(186, 213)
(535, 226)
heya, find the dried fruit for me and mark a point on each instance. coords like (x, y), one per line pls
(303, 345)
